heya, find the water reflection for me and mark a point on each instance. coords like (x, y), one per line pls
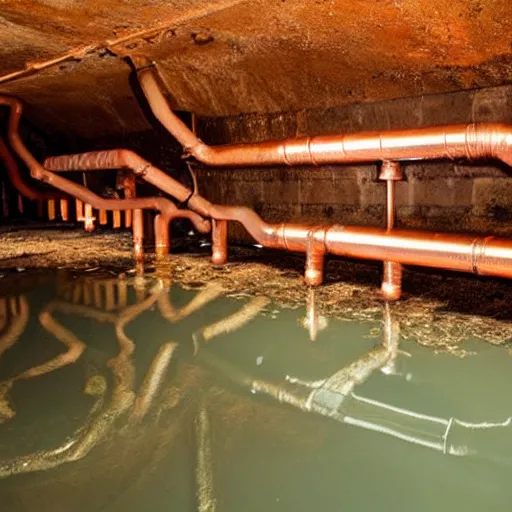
(121, 407)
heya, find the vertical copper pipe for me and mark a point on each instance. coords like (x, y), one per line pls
(79, 205)
(116, 219)
(102, 217)
(129, 193)
(219, 242)
(20, 203)
(89, 218)
(64, 209)
(51, 209)
(138, 235)
(391, 287)
(161, 235)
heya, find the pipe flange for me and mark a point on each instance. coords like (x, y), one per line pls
(391, 171)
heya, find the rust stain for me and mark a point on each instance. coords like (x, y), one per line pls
(231, 57)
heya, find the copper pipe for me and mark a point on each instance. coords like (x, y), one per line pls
(20, 203)
(15, 177)
(166, 207)
(116, 220)
(126, 159)
(51, 209)
(121, 159)
(64, 209)
(392, 280)
(455, 252)
(102, 217)
(138, 236)
(88, 218)
(127, 183)
(472, 141)
(219, 242)
(79, 206)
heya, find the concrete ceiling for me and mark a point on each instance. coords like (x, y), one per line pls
(236, 56)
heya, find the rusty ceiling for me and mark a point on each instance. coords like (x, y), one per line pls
(233, 56)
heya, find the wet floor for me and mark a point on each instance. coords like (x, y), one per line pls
(135, 394)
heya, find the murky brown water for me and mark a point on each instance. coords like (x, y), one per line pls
(134, 394)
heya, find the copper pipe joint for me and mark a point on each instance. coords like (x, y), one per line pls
(219, 242)
(315, 257)
(392, 281)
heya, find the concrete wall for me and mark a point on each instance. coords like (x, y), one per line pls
(446, 196)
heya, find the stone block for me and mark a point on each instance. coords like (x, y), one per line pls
(446, 192)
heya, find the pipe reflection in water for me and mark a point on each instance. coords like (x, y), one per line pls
(205, 494)
(153, 380)
(209, 293)
(232, 322)
(313, 322)
(68, 451)
(14, 313)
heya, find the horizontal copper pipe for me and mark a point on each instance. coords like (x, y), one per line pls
(472, 141)
(126, 159)
(17, 181)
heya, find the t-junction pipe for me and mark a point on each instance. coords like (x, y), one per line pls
(471, 142)
(167, 209)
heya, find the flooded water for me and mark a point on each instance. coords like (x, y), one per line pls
(134, 394)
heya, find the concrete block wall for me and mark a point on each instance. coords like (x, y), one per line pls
(445, 196)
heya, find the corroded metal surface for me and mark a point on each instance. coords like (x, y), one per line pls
(232, 56)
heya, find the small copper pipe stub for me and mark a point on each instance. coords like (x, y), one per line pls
(219, 242)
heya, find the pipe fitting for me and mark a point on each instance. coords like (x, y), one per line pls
(391, 287)
(391, 171)
(315, 256)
